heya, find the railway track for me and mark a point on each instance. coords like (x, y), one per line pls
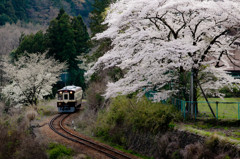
(56, 124)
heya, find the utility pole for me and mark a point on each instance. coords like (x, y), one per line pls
(65, 78)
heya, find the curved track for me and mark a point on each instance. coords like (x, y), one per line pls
(109, 152)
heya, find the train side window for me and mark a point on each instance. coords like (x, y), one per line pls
(65, 96)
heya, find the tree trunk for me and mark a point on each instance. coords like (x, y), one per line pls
(195, 78)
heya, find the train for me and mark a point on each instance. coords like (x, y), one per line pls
(69, 99)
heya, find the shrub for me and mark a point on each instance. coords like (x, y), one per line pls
(139, 115)
(212, 142)
(94, 95)
(46, 110)
(58, 151)
(234, 92)
(31, 115)
(17, 144)
(30, 149)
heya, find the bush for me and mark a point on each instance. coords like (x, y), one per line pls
(57, 151)
(17, 144)
(234, 92)
(139, 116)
(94, 97)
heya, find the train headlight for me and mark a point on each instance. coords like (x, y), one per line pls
(60, 92)
(71, 92)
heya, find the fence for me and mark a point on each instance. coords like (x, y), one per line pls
(222, 110)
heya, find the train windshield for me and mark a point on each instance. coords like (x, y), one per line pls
(71, 95)
(60, 96)
(65, 96)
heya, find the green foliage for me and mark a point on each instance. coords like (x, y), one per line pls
(4, 19)
(61, 38)
(44, 110)
(99, 98)
(234, 92)
(98, 16)
(68, 38)
(103, 47)
(81, 36)
(57, 151)
(116, 74)
(26, 10)
(212, 142)
(13, 10)
(95, 77)
(227, 157)
(32, 43)
(76, 7)
(176, 155)
(16, 142)
(138, 116)
(65, 39)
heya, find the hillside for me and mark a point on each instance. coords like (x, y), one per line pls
(41, 11)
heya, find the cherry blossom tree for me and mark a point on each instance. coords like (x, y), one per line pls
(155, 41)
(31, 78)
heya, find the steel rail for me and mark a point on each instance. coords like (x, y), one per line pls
(83, 143)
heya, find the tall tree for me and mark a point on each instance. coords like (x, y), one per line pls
(31, 44)
(98, 15)
(81, 35)
(157, 41)
(68, 38)
(61, 38)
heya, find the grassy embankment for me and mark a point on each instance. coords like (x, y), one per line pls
(226, 128)
(147, 128)
(131, 124)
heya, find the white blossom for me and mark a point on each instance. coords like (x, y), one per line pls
(31, 78)
(151, 38)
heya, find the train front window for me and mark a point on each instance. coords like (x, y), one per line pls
(60, 96)
(71, 95)
(65, 96)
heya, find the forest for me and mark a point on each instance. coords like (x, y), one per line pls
(40, 11)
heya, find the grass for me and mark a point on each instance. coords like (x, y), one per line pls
(121, 148)
(227, 108)
(46, 110)
(237, 133)
(58, 151)
(230, 139)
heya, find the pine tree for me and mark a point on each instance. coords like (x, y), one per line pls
(61, 38)
(81, 35)
(68, 38)
(97, 17)
(31, 43)
(98, 14)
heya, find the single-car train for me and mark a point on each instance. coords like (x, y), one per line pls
(69, 99)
